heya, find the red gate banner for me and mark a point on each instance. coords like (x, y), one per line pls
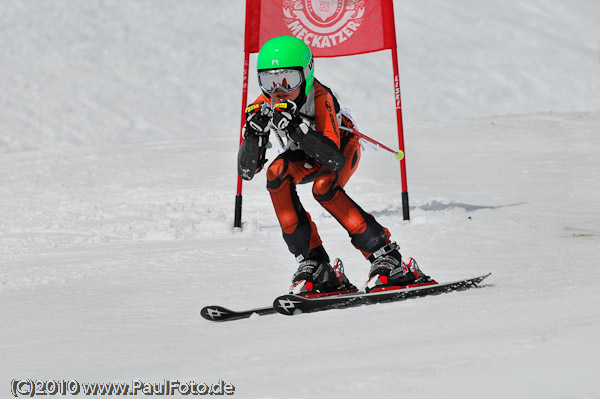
(331, 28)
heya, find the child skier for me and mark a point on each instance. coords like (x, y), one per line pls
(305, 112)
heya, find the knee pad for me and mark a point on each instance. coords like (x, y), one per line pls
(276, 173)
(325, 187)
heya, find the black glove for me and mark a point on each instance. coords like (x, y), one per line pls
(258, 119)
(285, 119)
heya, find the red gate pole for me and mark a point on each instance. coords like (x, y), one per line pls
(391, 32)
(405, 209)
(237, 220)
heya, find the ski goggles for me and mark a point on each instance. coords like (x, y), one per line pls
(287, 80)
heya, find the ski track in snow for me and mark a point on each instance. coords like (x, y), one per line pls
(118, 142)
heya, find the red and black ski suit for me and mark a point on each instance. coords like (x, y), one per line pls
(296, 167)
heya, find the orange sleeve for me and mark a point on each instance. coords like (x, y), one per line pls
(325, 117)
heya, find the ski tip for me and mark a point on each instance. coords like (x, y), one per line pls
(215, 313)
(288, 304)
(476, 280)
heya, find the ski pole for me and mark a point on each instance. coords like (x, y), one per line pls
(397, 154)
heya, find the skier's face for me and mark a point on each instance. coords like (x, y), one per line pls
(280, 95)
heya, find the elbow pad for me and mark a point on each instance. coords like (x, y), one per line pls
(251, 156)
(321, 149)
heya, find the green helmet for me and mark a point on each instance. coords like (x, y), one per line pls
(288, 52)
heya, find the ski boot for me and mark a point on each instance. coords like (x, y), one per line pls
(316, 277)
(388, 271)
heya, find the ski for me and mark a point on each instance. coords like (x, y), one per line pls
(220, 313)
(293, 304)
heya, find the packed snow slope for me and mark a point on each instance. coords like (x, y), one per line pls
(118, 138)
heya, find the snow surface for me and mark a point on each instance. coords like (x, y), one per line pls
(118, 138)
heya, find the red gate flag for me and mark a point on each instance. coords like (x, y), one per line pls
(331, 28)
